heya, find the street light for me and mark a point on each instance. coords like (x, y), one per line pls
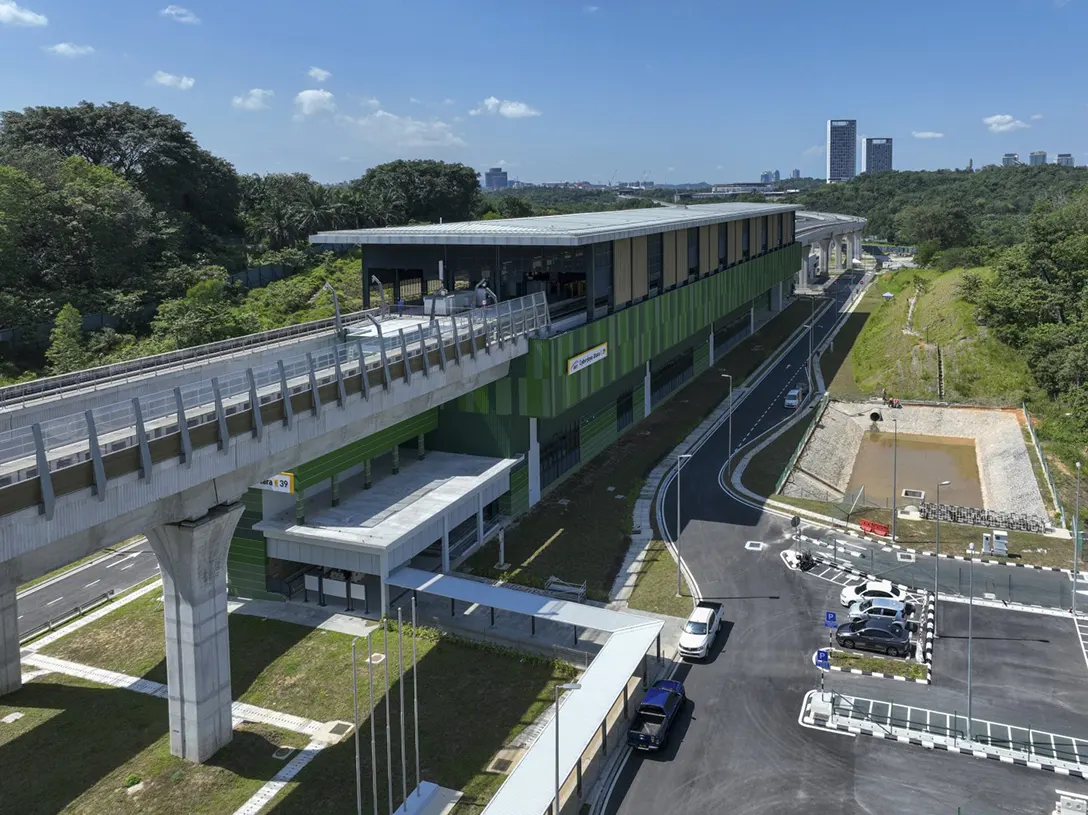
(567, 686)
(895, 470)
(679, 464)
(1076, 539)
(970, 615)
(937, 560)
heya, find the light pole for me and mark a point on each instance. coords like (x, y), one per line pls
(679, 465)
(729, 432)
(895, 470)
(937, 560)
(1076, 539)
(567, 686)
(970, 615)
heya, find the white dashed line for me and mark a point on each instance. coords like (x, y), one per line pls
(92, 583)
(57, 600)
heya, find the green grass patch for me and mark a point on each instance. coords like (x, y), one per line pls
(1024, 547)
(763, 471)
(655, 589)
(86, 748)
(472, 695)
(895, 667)
(587, 537)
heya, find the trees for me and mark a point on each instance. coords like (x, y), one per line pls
(205, 314)
(66, 352)
(430, 191)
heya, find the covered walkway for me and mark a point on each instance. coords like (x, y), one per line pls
(588, 715)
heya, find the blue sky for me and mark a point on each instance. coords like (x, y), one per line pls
(687, 90)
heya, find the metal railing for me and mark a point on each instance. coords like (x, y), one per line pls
(1042, 462)
(61, 619)
(824, 401)
(67, 440)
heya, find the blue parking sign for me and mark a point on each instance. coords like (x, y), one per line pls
(829, 619)
(823, 659)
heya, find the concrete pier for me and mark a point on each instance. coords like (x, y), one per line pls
(10, 670)
(193, 558)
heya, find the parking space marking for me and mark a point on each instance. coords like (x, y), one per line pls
(1082, 636)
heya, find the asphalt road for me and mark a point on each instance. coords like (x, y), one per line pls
(117, 570)
(739, 748)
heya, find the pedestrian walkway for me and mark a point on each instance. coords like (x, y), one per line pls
(310, 615)
(939, 729)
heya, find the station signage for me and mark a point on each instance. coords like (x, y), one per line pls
(281, 482)
(587, 358)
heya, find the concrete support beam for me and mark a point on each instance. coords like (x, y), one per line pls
(368, 475)
(445, 544)
(11, 672)
(479, 519)
(825, 255)
(193, 558)
(396, 459)
(534, 464)
(776, 297)
(710, 347)
(647, 392)
(752, 319)
(421, 451)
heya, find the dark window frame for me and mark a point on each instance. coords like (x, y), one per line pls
(723, 244)
(693, 257)
(655, 267)
(746, 238)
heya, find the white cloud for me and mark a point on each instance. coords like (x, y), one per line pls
(69, 49)
(448, 101)
(927, 134)
(591, 9)
(389, 130)
(11, 14)
(255, 99)
(719, 167)
(815, 150)
(179, 14)
(414, 101)
(1036, 117)
(669, 169)
(182, 83)
(373, 102)
(319, 74)
(1003, 123)
(311, 102)
(504, 107)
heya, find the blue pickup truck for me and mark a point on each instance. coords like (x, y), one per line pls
(655, 717)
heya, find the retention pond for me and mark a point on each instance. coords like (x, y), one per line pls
(921, 462)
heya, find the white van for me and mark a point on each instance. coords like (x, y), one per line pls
(793, 398)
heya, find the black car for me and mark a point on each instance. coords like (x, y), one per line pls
(889, 636)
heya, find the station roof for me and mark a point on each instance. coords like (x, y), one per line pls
(576, 229)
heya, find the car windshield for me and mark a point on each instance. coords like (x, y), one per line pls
(866, 605)
(695, 628)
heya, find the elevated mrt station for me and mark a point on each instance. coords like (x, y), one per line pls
(494, 360)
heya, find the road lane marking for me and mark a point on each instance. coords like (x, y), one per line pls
(126, 568)
(92, 583)
(122, 560)
(57, 600)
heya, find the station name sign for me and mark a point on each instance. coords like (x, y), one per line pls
(282, 482)
(587, 358)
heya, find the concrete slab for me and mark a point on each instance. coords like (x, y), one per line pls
(429, 799)
(310, 615)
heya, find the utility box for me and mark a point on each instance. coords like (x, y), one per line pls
(1001, 542)
(1070, 805)
(987, 543)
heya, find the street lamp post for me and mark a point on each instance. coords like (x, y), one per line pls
(937, 560)
(679, 465)
(1076, 539)
(970, 615)
(729, 432)
(895, 470)
(567, 686)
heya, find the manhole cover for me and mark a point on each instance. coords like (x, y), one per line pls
(619, 497)
(610, 489)
(376, 659)
(904, 557)
(501, 765)
(340, 728)
(754, 546)
(564, 501)
(283, 753)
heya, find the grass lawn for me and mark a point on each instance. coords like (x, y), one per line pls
(79, 746)
(587, 537)
(763, 471)
(656, 587)
(471, 695)
(921, 535)
(896, 667)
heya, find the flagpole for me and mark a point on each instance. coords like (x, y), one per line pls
(415, 694)
(400, 673)
(373, 723)
(388, 726)
(355, 701)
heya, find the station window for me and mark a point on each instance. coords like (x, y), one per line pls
(723, 243)
(746, 238)
(693, 252)
(763, 230)
(781, 229)
(560, 453)
(625, 410)
(655, 261)
(602, 275)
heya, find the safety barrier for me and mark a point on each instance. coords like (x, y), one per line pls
(1042, 462)
(825, 400)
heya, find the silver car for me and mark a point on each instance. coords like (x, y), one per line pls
(883, 607)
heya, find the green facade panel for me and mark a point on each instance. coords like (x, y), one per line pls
(597, 433)
(481, 433)
(639, 333)
(701, 359)
(328, 465)
(638, 403)
(247, 557)
(516, 501)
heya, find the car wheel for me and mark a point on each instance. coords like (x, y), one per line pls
(892, 652)
(847, 643)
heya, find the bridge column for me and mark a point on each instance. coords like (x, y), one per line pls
(396, 459)
(825, 256)
(193, 559)
(11, 672)
(533, 462)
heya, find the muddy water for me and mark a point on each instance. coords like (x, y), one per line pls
(922, 462)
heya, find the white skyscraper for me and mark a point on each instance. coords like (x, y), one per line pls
(842, 149)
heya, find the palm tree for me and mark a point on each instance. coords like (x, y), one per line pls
(318, 210)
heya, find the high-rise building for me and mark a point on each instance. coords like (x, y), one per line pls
(777, 175)
(1010, 159)
(795, 174)
(766, 177)
(495, 179)
(876, 156)
(1065, 160)
(842, 149)
(1037, 157)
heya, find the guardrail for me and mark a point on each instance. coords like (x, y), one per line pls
(105, 374)
(1042, 462)
(820, 408)
(68, 616)
(82, 449)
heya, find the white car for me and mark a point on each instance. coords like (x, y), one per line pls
(871, 588)
(793, 398)
(700, 631)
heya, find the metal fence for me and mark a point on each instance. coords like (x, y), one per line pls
(1042, 461)
(824, 401)
(65, 440)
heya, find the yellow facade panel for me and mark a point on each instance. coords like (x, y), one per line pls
(621, 272)
(681, 254)
(704, 251)
(668, 252)
(640, 286)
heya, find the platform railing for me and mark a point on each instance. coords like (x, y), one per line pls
(67, 440)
